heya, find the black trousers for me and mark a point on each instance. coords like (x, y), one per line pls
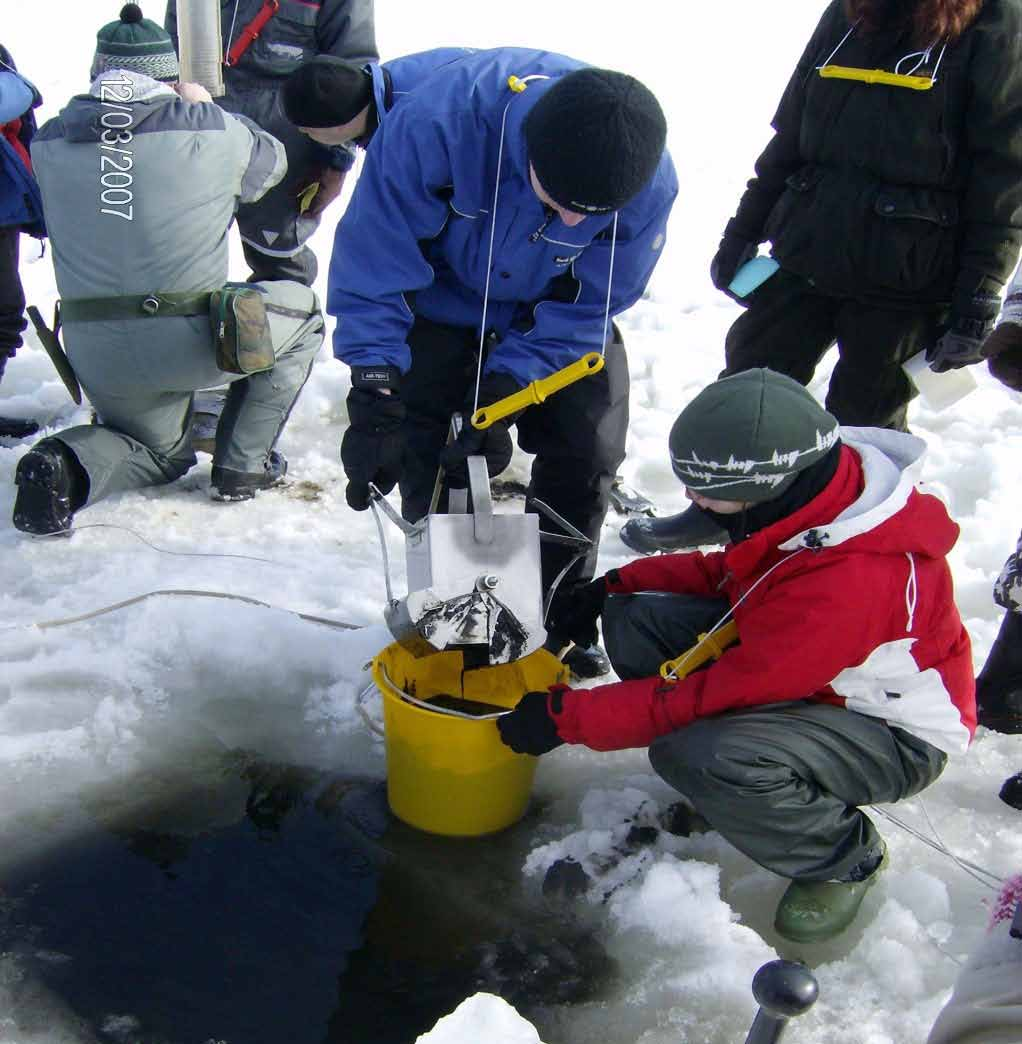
(1002, 672)
(12, 297)
(577, 435)
(783, 782)
(789, 326)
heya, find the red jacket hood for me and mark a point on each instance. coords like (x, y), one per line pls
(871, 505)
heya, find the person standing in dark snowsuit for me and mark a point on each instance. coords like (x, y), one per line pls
(274, 230)
(339, 102)
(999, 683)
(21, 210)
(893, 205)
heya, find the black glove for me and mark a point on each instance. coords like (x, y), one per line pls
(372, 447)
(575, 609)
(732, 253)
(529, 729)
(1003, 349)
(494, 443)
(972, 318)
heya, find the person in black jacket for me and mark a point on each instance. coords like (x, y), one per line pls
(891, 202)
(274, 231)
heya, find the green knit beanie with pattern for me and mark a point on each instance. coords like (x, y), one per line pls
(746, 437)
(136, 44)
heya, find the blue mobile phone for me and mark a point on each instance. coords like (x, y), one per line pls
(752, 274)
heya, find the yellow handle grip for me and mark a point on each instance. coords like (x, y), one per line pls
(847, 72)
(708, 647)
(537, 391)
(306, 196)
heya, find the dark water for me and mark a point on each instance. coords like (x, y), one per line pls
(266, 903)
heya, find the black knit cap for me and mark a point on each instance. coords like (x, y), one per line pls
(326, 92)
(594, 139)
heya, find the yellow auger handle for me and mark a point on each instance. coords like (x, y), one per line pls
(537, 391)
(708, 647)
(306, 196)
(847, 72)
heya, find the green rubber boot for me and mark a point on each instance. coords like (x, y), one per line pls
(815, 911)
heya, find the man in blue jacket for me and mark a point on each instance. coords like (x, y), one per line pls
(20, 211)
(508, 208)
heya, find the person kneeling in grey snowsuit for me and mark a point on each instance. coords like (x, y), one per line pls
(140, 182)
(851, 679)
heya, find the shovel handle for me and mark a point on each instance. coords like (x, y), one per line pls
(538, 391)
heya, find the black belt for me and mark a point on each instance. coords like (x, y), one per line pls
(137, 306)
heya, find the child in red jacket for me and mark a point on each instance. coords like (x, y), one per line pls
(851, 679)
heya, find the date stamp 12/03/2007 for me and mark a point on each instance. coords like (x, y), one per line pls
(116, 181)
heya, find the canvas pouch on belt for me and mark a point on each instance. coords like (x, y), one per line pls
(241, 330)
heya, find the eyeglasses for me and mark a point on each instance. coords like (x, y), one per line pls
(890, 79)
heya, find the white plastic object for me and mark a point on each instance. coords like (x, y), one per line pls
(938, 390)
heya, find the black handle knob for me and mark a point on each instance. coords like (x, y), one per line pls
(783, 989)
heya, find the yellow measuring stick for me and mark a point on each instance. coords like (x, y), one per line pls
(538, 391)
(847, 72)
(708, 647)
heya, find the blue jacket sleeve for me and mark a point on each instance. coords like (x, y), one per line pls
(16, 96)
(564, 331)
(376, 258)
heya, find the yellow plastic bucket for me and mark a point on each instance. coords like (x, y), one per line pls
(449, 774)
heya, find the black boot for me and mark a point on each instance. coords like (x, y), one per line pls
(243, 485)
(15, 428)
(1011, 791)
(692, 528)
(587, 662)
(999, 683)
(52, 485)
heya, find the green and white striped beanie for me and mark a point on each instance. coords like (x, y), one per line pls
(136, 44)
(747, 436)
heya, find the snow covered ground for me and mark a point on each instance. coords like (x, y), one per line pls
(100, 703)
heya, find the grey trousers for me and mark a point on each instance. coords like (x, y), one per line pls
(782, 783)
(141, 375)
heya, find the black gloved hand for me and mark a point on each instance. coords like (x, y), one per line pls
(529, 729)
(732, 253)
(1007, 368)
(962, 344)
(575, 609)
(372, 447)
(1003, 349)
(494, 443)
